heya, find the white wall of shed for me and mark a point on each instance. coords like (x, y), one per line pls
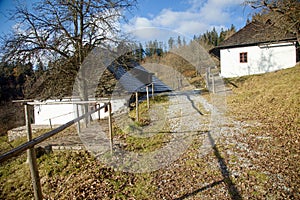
(62, 113)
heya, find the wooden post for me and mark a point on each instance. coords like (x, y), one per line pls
(99, 117)
(152, 90)
(148, 102)
(110, 127)
(50, 124)
(86, 110)
(78, 123)
(207, 78)
(213, 83)
(32, 159)
(137, 106)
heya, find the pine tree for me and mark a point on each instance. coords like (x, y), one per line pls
(179, 44)
(171, 43)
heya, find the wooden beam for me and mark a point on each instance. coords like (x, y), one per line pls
(137, 106)
(110, 127)
(148, 102)
(152, 90)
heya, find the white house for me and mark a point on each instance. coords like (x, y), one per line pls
(257, 48)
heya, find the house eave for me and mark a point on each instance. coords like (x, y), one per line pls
(216, 51)
(257, 43)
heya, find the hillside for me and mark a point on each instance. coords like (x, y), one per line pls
(257, 156)
(272, 102)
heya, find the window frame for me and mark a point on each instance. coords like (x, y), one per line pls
(244, 57)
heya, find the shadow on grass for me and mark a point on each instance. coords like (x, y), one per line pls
(233, 191)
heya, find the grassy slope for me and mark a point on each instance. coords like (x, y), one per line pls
(271, 99)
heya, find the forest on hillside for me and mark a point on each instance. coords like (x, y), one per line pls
(55, 79)
(65, 34)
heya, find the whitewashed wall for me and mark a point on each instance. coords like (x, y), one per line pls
(63, 113)
(260, 59)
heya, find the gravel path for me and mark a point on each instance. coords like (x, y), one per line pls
(187, 115)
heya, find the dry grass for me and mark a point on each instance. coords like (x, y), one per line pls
(272, 100)
(266, 166)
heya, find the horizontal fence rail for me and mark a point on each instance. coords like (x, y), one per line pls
(18, 150)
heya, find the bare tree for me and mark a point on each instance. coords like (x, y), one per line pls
(284, 14)
(64, 30)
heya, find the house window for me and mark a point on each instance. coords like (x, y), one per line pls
(243, 57)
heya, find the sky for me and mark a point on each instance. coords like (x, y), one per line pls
(154, 19)
(189, 17)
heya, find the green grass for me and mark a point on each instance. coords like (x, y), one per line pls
(141, 144)
(6, 145)
(148, 144)
(144, 143)
(144, 118)
(66, 174)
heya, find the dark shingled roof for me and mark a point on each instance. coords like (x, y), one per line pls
(255, 33)
(135, 80)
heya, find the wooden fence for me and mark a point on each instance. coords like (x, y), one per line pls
(148, 99)
(29, 146)
(210, 78)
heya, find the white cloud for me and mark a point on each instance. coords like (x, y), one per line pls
(198, 18)
(141, 22)
(218, 11)
(151, 33)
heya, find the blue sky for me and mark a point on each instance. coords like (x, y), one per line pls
(187, 17)
(4, 5)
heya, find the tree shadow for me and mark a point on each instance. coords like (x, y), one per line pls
(233, 191)
(200, 190)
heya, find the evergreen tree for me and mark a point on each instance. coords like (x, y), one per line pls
(140, 52)
(184, 41)
(171, 43)
(179, 44)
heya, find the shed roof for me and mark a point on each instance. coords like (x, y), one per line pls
(135, 80)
